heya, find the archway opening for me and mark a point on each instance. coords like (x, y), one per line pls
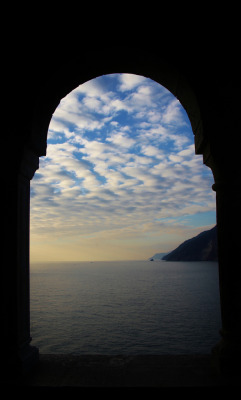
(120, 180)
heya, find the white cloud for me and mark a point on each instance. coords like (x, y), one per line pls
(82, 120)
(152, 151)
(175, 158)
(92, 88)
(121, 139)
(172, 113)
(189, 151)
(130, 81)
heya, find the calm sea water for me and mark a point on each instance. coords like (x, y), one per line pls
(135, 307)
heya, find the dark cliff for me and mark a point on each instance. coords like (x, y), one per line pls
(202, 247)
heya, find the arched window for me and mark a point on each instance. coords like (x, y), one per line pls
(121, 179)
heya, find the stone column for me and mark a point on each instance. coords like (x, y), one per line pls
(17, 354)
(227, 352)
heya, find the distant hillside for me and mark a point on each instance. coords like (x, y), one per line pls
(202, 247)
(157, 256)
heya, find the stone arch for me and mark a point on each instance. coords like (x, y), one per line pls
(172, 81)
(210, 118)
(75, 72)
(69, 76)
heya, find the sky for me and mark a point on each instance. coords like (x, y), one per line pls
(120, 180)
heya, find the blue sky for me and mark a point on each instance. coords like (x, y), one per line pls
(121, 179)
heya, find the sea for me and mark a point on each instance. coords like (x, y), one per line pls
(124, 307)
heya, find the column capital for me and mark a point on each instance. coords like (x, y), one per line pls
(220, 185)
(224, 185)
(29, 163)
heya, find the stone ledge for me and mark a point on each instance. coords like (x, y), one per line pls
(61, 371)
